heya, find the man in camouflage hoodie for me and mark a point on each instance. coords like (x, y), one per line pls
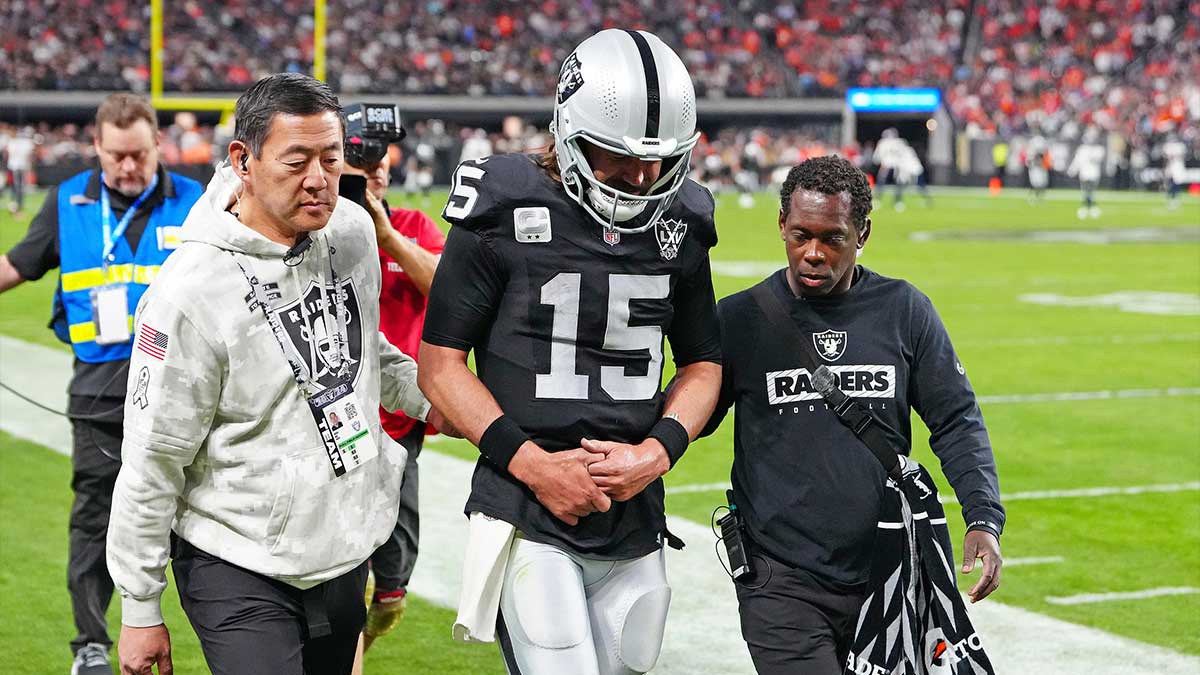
(257, 333)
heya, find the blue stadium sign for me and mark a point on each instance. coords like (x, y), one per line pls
(894, 100)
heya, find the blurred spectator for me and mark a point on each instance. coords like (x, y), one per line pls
(18, 158)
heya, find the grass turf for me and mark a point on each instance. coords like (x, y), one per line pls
(1009, 346)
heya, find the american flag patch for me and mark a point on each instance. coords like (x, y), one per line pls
(152, 342)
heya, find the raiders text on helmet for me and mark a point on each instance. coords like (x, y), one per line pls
(626, 92)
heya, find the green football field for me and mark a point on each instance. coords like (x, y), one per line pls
(1081, 337)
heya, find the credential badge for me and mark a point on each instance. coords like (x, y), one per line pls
(670, 237)
(831, 344)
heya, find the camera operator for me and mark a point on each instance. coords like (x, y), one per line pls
(410, 245)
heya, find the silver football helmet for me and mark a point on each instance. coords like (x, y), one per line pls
(624, 91)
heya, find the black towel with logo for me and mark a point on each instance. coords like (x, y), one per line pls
(914, 621)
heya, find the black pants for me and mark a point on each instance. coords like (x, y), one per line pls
(95, 462)
(393, 562)
(793, 625)
(249, 624)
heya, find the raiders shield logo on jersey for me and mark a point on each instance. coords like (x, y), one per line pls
(317, 345)
(670, 237)
(831, 344)
(571, 78)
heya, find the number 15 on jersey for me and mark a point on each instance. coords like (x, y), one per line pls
(563, 293)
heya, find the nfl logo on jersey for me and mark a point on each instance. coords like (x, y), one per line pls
(670, 237)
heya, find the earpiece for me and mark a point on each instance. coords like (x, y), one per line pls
(245, 158)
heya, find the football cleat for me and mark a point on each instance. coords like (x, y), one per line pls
(385, 613)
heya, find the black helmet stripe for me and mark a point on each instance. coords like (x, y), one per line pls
(652, 95)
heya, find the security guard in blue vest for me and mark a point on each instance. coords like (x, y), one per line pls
(108, 231)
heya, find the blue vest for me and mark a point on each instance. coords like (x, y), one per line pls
(81, 246)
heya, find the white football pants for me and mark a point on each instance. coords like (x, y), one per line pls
(561, 613)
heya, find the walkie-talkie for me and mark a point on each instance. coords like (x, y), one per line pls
(735, 545)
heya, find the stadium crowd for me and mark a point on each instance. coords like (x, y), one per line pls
(1008, 67)
(1127, 67)
(1014, 72)
(744, 49)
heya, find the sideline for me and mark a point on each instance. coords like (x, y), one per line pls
(702, 634)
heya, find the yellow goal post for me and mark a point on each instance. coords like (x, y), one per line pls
(217, 104)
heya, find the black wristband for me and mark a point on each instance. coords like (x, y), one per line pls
(672, 435)
(501, 440)
(986, 526)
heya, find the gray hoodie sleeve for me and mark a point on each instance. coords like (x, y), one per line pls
(398, 382)
(175, 378)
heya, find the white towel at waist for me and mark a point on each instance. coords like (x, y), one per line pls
(488, 544)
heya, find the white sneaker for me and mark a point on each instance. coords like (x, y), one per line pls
(92, 659)
(1094, 212)
(746, 201)
(1081, 213)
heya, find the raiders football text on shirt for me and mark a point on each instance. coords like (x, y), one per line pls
(809, 490)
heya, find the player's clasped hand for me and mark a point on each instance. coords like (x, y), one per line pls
(626, 469)
(560, 481)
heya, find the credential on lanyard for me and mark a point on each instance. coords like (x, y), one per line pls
(110, 237)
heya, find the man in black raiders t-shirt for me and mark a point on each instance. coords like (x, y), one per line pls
(808, 489)
(564, 272)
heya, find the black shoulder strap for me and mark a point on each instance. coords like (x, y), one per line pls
(869, 429)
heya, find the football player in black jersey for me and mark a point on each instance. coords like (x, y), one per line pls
(564, 272)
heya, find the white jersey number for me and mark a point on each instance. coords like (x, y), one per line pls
(562, 382)
(467, 193)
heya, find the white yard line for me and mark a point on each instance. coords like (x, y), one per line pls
(1163, 392)
(1065, 340)
(697, 487)
(1089, 598)
(702, 634)
(1096, 492)
(1018, 193)
(1035, 560)
(1004, 497)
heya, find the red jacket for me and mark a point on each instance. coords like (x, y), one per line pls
(401, 305)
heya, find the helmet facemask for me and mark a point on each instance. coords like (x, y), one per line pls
(608, 205)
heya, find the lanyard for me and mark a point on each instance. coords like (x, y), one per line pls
(300, 371)
(111, 237)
